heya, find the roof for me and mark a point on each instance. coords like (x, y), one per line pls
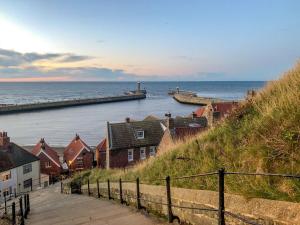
(43, 147)
(189, 122)
(102, 146)
(199, 112)
(224, 107)
(75, 148)
(123, 135)
(14, 156)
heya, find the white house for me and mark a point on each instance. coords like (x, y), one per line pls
(19, 169)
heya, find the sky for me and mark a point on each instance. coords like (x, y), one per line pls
(110, 40)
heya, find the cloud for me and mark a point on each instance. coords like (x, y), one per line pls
(13, 58)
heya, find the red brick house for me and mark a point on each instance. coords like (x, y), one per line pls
(78, 155)
(215, 111)
(131, 141)
(49, 160)
(181, 128)
(101, 154)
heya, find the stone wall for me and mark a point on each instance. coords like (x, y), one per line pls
(261, 211)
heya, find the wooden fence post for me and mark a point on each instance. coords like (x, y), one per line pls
(121, 191)
(98, 189)
(89, 192)
(13, 213)
(108, 189)
(28, 203)
(138, 197)
(21, 211)
(5, 204)
(221, 211)
(169, 200)
(25, 206)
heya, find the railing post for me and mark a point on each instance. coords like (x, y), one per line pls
(61, 187)
(138, 197)
(221, 212)
(98, 190)
(13, 213)
(31, 186)
(21, 211)
(169, 200)
(121, 191)
(25, 206)
(89, 192)
(108, 189)
(5, 204)
(28, 203)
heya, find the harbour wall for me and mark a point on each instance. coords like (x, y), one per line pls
(8, 109)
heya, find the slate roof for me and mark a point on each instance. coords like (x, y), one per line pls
(180, 122)
(74, 148)
(47, 149)
(123, 135)
(14, 156)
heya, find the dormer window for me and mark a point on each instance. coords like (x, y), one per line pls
(139, 134)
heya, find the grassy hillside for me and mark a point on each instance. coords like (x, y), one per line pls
(262, 135)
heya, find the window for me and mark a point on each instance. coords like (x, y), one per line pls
(6, 176)
(130, 155)
(152, 151)
(5, 192)
(27, 168)
(143, 153)
(79, 162)
(48, 164)
(139, 134)
(27, 183)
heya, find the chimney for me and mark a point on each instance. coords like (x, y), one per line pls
(127, 119)
(170, 121)
(42, 141)
(4, 139)
(194, 115)
(77, 137)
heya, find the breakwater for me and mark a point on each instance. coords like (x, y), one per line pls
(195, 100)
(8, 109)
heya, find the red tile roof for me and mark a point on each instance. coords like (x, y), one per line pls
(102, 146)
(42, 146)
(224, 107)
(74, 149)
(199, 112)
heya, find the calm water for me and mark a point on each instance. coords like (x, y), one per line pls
(60, 125)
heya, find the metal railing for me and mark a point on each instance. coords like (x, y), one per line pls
(17, 211)
(220, 210)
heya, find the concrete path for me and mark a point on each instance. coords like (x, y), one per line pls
(49, 207)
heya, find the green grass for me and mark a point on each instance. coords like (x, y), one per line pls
(261, 135)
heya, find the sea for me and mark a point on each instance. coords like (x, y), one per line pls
(59, 126)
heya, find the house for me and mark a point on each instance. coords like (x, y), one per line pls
(215, 111)
(131, 141)
(101, 154)
(181, 128)
(78, 155)
(49, 160)
(19, 169)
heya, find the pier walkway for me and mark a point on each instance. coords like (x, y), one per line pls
(7, 109)
(49, 207)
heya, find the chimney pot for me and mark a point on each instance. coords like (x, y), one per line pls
(4, 139)
(194, 115)
(127, 119)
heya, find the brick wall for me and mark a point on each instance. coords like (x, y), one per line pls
(88, 158)
(119, 158)
(53, 170)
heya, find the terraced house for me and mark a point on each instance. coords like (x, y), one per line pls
(19, 169)
(130, 142)
(78, 155)
(49, 160)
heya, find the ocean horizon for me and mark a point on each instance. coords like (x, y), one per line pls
(59, 126)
